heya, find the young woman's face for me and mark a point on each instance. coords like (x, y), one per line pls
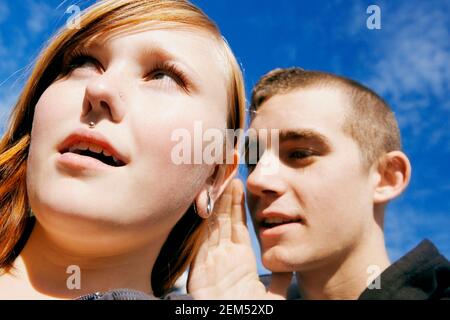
(138, 88)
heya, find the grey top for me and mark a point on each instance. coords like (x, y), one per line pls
(130, 294)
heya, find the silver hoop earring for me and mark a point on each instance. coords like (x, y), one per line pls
(209, 204)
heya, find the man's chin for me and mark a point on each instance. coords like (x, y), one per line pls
(278, 259)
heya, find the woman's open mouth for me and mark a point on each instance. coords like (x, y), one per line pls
(87, 149)
(87, 155)
(96, 152)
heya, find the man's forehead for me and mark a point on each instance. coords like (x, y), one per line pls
(321, 108)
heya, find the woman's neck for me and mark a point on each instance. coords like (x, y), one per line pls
(55, 270)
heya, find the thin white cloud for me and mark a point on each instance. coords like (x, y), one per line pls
(411, 66)
(8, 98)
(405, 227)
(13, 48)
(11, 73)
(40, 14)
(4, 11)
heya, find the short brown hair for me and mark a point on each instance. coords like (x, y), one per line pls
(370, 121)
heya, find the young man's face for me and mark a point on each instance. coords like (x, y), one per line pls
(321, 192)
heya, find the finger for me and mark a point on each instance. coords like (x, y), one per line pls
(212, 230)
(240, 232)
(223, 204)
(238, 203)
(279, 283)
(223, 213)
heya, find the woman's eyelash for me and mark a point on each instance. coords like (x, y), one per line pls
(80, 56)
(77, 58)
(170, 69)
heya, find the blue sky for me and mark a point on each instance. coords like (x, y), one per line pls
(406, 62)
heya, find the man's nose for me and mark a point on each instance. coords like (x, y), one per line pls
(263, 180)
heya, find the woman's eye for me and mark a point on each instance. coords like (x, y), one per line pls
(161, 75)
(168, 75)
(82, 61)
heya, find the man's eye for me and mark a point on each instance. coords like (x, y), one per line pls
(251, 165)
(251, 153)
(251, 161)
(300, 154)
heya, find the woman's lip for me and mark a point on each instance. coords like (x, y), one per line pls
(82, 135)
(79, 162)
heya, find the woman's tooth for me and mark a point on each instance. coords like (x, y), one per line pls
(72, 149)
(95, 148)
(115, 160)
(106, 153)
(82, 146)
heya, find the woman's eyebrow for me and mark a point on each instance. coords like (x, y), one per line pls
(86, 47)
(156, 51)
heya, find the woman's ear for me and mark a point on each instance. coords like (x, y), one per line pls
(215, 185)
(393, 174)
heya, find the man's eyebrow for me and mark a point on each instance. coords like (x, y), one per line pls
(304, 134)
(285, 135)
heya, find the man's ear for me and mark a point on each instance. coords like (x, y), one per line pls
(393, 173)
(216, 184)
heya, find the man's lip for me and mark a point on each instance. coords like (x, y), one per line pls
(262, 215)
(276, 231)
(95, 137)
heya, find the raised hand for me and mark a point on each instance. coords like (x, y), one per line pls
(225, 266)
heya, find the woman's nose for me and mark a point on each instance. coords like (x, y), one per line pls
(103, 95)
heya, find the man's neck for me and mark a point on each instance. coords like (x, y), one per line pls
(348, 277)
(45, 269)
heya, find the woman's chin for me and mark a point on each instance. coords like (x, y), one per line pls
(74, 217)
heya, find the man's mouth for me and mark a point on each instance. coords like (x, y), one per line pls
(272, 222)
